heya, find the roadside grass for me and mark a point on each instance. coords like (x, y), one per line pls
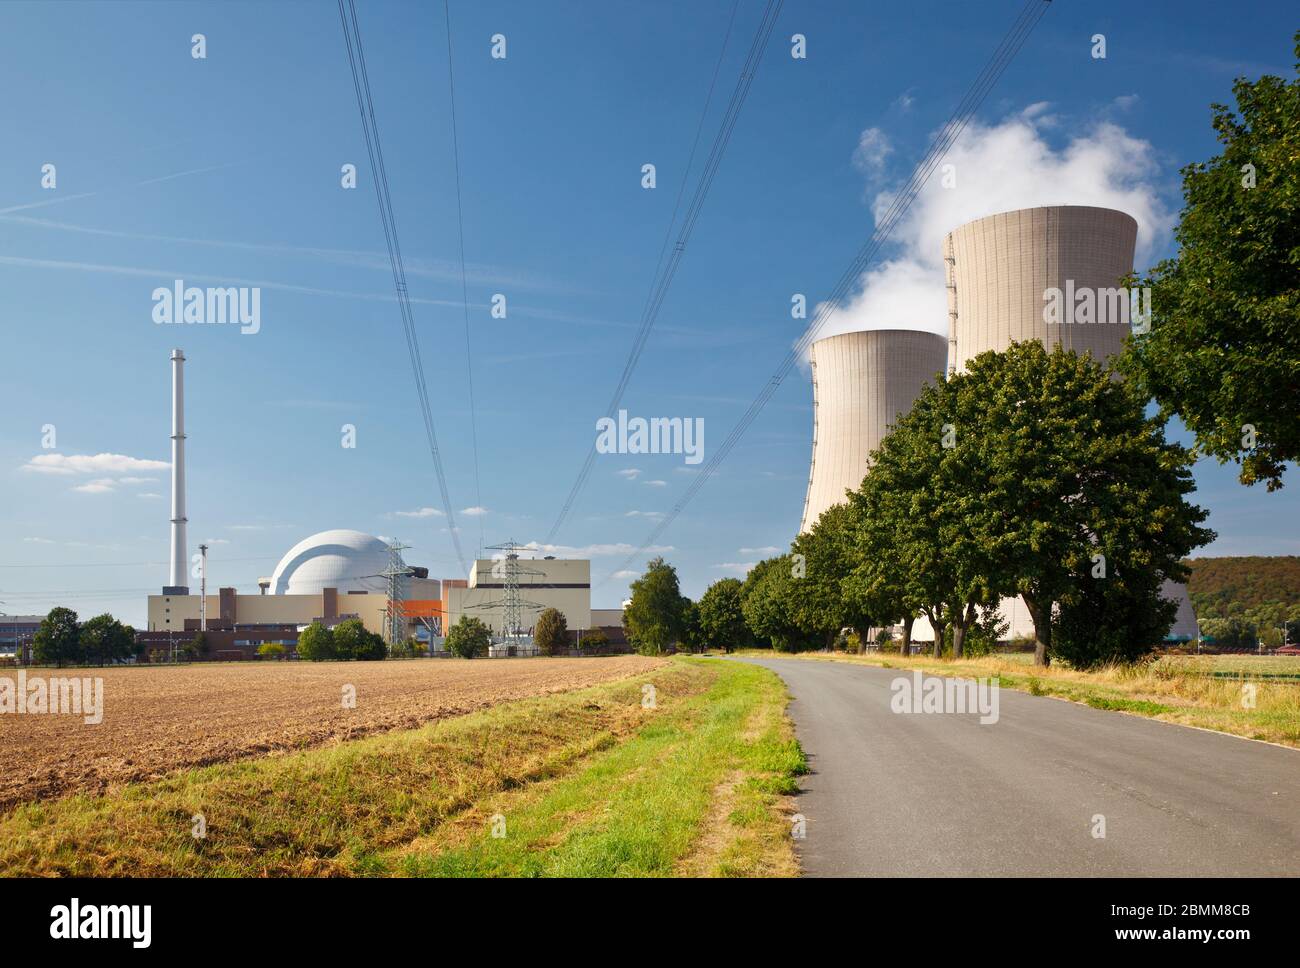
(1170, 689)
(615, 787)
(699, 792)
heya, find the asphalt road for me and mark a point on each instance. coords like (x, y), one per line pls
(940, 794)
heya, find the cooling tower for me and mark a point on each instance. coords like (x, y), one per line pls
(1001, 268)
(862, 382)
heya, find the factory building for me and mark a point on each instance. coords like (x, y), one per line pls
(862, 383)
(560, 583)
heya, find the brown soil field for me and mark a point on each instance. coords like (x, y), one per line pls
(162, 719)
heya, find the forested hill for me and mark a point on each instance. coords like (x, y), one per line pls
(1219, 584)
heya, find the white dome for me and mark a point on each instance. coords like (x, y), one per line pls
(346, 560)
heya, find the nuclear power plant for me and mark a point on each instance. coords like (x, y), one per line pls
(999, 271)
(862, 382)
(342, 574)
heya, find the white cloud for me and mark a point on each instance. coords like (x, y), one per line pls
(419, 513)
(38, 541)
(92, 464)
(739, 567)
(149, 495)
(644, 514)
(1001, 167)
(594, 550)
(655, 483)
(137, 480)
(769, 550)
(216, 541)
(872, 150)
(631, 473)
(102, 485)
(904, 101)
(624, 574)
(474, 512)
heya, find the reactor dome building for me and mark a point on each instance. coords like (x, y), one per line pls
(350, 561)
(862, 382)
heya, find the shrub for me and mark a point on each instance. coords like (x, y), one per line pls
(468, 637)
(551, 633)
(271, 650)
(594, 640)
(316, 643)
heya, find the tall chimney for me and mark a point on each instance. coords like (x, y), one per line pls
(177, 580)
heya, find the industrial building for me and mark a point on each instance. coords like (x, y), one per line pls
(862, 383)
(999, 270)
(336, 575)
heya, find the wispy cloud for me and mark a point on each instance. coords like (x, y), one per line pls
(474, 512)
(420, 513)
(765, 551)
(631, 473)
(70, 464)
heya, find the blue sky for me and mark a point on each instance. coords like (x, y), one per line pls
(225, 171)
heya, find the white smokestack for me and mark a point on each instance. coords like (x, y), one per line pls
(177, 580)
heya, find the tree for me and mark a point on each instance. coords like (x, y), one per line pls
(770, 605)
(920, 517)
(200, 645)
(271, 650)
(691, 635)
(1223, 350)
(826, 556)
(1068, 481)
(653, 619)
(594, 640)
(468, 638)
(551, 633)
(104, 639)
(316, 643)
(1121, 618)
(721, 616)
(58, 640)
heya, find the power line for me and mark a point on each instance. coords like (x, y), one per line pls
(374, 149)
(464, 285)
(1011, 43)
(665, 271)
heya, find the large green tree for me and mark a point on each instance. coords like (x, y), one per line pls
(654, 619)
(104, 640)
(921, 521)
(826, 554)
(1223, 350)
(58, 640)
(722, 620)
(770, 603)
(1071, 481)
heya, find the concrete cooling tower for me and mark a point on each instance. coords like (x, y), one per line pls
(862, 382)
(1001, 268)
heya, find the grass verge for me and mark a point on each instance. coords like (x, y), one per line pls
(1169, 690)
(589, 782)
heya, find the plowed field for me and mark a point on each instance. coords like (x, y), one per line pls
(158, 720)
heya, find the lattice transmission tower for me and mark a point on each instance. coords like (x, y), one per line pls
(396, 573)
